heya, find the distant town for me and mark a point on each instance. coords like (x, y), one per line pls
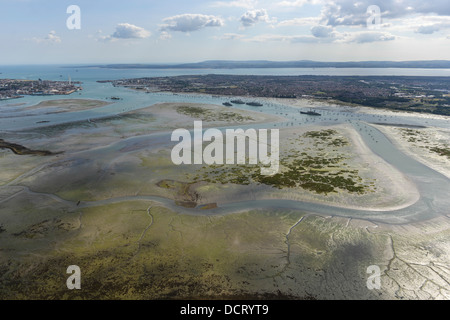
(418, 94)
(13, 88)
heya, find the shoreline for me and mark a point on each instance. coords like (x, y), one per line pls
(417, 153)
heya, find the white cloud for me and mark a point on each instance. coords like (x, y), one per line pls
(129, 31)
(344, 12)
(247, 4)
(350, 12)
(305, 21)
(190, 22)
(298, 3)
(365, 37)
(419, 16)
(431, 24)
(252, 17)
(50, 38)
(424, 24)
(322, 31)
(428, 29)
(126, 31)
(439, 7)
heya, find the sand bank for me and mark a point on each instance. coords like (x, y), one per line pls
(170, 117)
(422, 145)
(67, 105)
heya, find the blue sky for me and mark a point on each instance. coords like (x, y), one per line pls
(153, 31)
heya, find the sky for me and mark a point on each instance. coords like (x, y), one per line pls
(176, 31)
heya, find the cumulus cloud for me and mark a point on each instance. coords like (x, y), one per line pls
(430, 24)
(129, 31)
(439, 7)
(422, 17)
(126, 31)
(349, 12)
(344, 12)
(252, 17)
(49, 39)
(322, 31)
(428, 29)
(424, 24)
(298, 3)
(190, 22)
(247, 4)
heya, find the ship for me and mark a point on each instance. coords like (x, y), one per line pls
(238, 101)
(227, 104)
(254, 104)
(310, 113)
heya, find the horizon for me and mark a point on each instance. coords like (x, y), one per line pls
(93, 64)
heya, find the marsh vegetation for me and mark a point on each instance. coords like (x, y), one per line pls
(315, 170)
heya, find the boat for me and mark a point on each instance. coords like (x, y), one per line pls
(238, 101)
(254, 104)
(227, 104)
(311, 113)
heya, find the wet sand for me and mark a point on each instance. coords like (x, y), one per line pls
(135, 249)
(418, 143)
(67, 105)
